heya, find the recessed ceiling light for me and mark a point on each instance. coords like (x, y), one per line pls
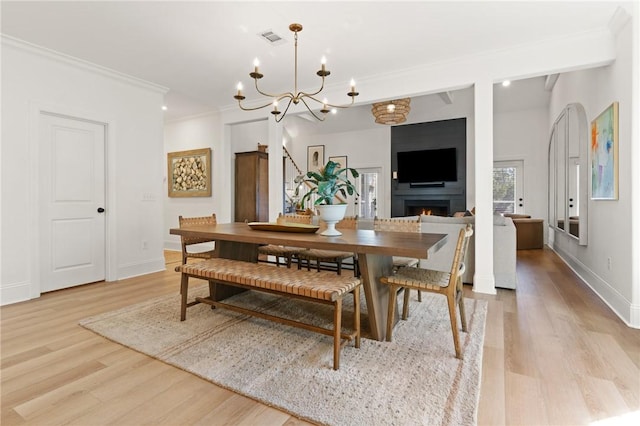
(164, 107)
(506, 83)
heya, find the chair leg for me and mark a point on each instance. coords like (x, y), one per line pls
(391, 311)
(337, 327)
(463, 316)
(339, 262)
(405, 304)
(356, 314)
(419, 296)
(451, 302)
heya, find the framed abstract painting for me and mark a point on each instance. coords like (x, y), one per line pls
(604, 154)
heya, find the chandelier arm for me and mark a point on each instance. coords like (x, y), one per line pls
(312, 113)
(280, 96)
(311, 95)
(353, 99)
(284, 113)
(254, 108)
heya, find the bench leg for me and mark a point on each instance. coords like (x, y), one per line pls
(337, 327)
(184, 287)
(212, 292)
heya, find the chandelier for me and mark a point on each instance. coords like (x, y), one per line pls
(391, 112)
(294, 97)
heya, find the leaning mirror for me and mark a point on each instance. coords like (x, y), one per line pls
(568, 178)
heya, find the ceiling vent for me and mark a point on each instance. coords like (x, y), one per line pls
(271, 37)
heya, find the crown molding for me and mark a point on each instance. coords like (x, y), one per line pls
(80, 63)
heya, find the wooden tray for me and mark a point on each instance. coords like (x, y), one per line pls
(288, 227)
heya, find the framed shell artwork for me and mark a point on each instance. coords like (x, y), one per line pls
(189, 173)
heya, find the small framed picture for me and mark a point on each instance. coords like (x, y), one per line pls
(341, 160)
(315, 158)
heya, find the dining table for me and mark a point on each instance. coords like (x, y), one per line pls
(374, 252)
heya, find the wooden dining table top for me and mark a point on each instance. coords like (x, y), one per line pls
(406, 244)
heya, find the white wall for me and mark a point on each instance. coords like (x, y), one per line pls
(34, 79)
(610, 222)
(183, 135)
(524, 135)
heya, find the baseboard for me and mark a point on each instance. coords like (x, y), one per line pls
(623, 308)
(485, 284)
(136, 269)
(173, 246)
(15, 292)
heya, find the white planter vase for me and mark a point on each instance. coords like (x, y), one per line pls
(332, 214)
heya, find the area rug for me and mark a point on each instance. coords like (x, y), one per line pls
(413, 380)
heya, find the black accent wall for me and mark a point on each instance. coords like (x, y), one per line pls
(432, 135)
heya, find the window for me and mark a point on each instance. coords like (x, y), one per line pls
(508, 186)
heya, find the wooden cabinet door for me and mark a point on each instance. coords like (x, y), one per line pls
(252, 187)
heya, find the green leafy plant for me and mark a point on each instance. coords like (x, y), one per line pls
(327, 183)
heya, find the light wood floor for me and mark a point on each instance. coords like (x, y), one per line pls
(553, 354)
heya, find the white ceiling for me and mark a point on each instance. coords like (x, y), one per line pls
(200, 50)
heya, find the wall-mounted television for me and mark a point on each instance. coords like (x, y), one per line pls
(429, 165)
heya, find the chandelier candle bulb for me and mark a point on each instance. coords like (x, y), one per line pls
(256, 64)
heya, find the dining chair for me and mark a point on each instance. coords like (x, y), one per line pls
(400, 224)
(188, 241)
(331, 256)
(448, 284)
(286, 252)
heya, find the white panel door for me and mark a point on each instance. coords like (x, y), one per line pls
(368, 186)
(72, 201)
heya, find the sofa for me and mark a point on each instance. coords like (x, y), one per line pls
(504, 247)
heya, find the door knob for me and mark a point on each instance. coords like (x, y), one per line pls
(100, 210)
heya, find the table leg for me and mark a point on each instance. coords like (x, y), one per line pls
(372, 267)
(237, 251)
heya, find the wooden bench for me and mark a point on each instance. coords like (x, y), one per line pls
(321, 287)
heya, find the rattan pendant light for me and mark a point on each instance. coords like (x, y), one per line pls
(391, 112)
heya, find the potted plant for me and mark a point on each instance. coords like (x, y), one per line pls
(326, 184)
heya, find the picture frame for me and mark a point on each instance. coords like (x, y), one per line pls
(341, 160)
(315, 158)
(189, 173)
(604, 154)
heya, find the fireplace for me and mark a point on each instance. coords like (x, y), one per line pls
(428, 207)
